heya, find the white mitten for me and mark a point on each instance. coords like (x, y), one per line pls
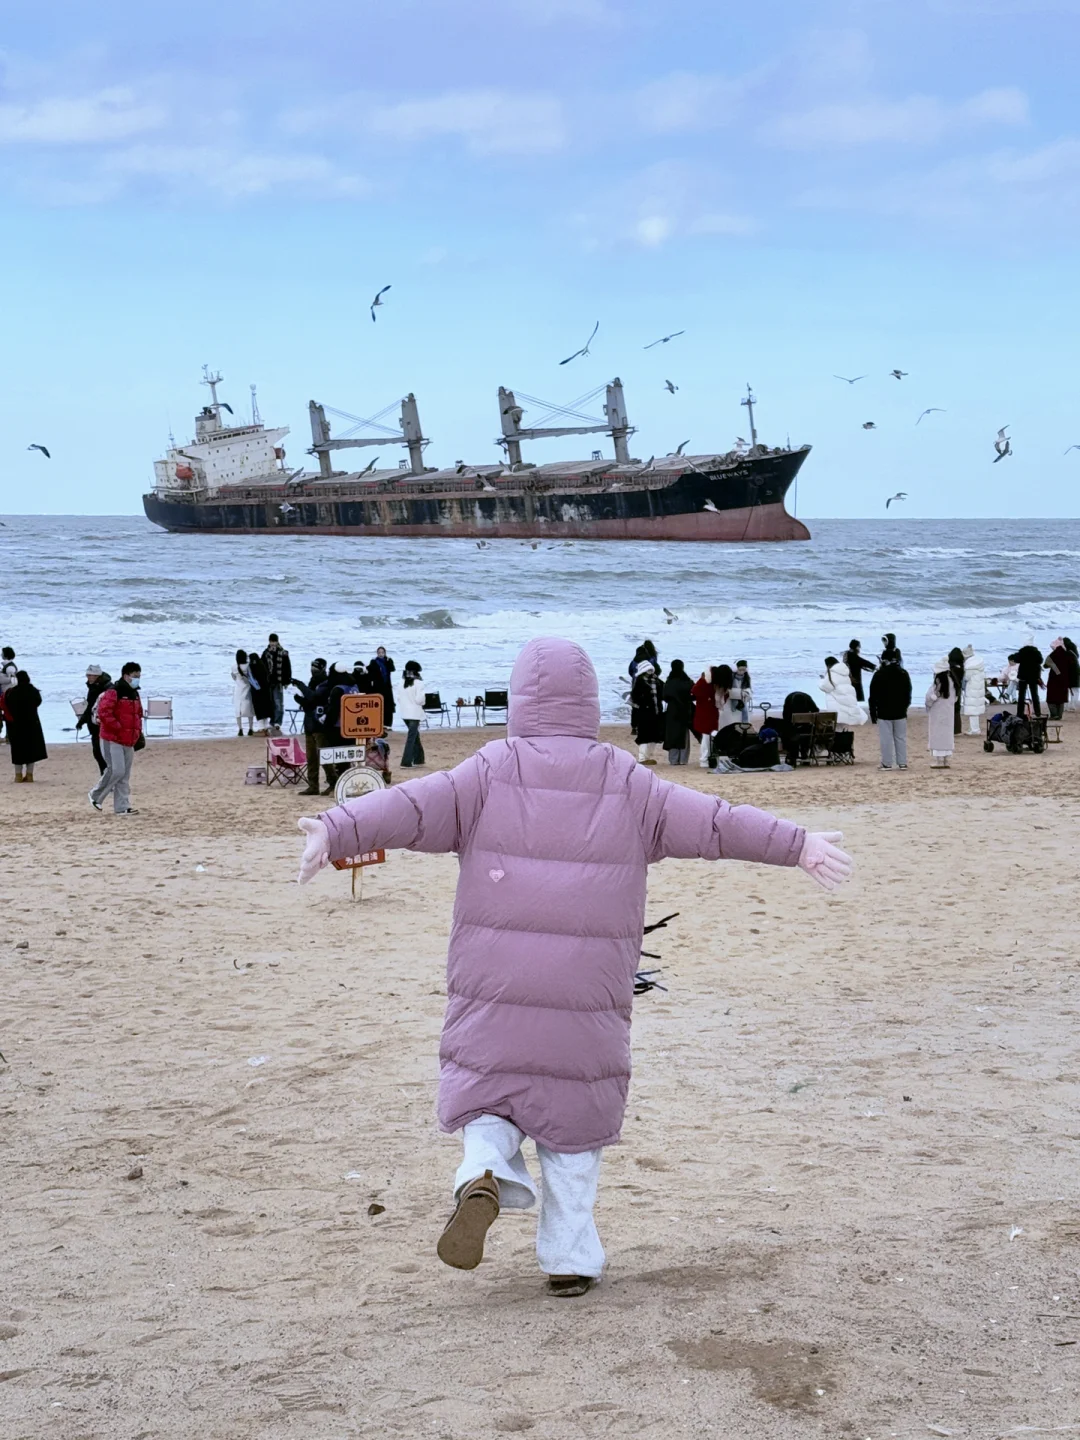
(824, 861)
(316, 854)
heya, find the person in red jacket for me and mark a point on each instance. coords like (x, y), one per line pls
(120, 718)
(706, 719)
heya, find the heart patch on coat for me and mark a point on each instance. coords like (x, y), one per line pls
(496, 875)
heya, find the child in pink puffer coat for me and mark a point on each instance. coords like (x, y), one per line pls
(554, 833)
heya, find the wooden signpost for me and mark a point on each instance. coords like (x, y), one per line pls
(358, 862)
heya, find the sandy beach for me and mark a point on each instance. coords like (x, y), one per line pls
(845, 1202)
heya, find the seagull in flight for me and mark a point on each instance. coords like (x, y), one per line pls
(378, 301)
(898, 374)
(1072, 447)
(900, 495)
(670, 387)
(869, 425)
(1003, 445)
(368, 468)
(671, 616)
(664, 339)
(710, 506)
(934, 410)
(42, 449)
(683, 443)
(850, 382)
(584, 349)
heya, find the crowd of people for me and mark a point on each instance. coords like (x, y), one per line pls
(717, 709)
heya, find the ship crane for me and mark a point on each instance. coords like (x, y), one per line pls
(616, 424)
(409, 435)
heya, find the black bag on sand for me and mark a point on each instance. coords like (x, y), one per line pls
(759, 755)
(842, 743)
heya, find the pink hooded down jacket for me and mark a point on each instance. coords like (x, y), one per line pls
(554, 832)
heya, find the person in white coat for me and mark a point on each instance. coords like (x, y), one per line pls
(840, 695)
(410, 707)
(243, 706)
(940, 710)
(973, 698)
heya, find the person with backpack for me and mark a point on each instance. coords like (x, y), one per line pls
(97, 682)
(890, 701)
(554, 833)
(119, 714)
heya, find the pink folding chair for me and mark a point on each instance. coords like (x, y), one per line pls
(286, 760)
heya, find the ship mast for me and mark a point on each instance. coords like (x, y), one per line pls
(213, 381)
(750, 401)
(616, 425)
(410, 435)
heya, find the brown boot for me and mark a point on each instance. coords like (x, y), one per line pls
(462, 1242)
(569, 1287)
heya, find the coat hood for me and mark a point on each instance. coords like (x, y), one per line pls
(554, 691)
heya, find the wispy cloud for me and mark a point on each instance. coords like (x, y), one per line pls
(489, 122)
(671, 200)
(687, 101)
(107, 115)
(916, 120)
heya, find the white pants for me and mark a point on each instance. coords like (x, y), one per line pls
(646, 751)
(566, 1239)
(974, 725)
(703, 758)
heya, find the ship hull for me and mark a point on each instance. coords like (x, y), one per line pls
(740, 503)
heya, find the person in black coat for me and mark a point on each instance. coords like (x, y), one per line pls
(646, 711)
(890, 700)
(262, 692)
(678, 713)
(1028, 676)
(956, 671)
(311, 699)
(644, 654)
(856, 665)
(380, 671)
(97, 680)
(25, 738)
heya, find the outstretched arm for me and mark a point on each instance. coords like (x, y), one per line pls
(434, 814)
(684, 823)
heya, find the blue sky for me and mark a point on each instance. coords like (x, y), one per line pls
(806, 188)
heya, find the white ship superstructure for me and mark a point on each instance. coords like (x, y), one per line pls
(221, 453)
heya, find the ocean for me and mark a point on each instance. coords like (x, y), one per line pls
(80, 589)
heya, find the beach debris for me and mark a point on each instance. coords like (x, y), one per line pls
(938, 1430)
(378, 301)
(933, 410)
(42, 449)
(200, 869)
(900, 495)
(799, 1085)
(905, 1097)
(23, 945)
(376, 1209)
(669, 387)
(1003, 445)
(135, 1173)
(898, 374)
(664, 339)
(3, 1058)
(854, 381)
(1015, 1230)
(584, 349)
(869, 425)
(258, 1060)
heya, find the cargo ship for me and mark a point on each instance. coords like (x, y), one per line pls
(233, 478)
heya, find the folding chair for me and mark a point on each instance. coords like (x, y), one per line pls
(433, 705)
(497, 700)
(814, 733)
(78, 706)
(286, 760)
(159, 709)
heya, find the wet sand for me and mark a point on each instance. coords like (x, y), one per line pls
(845, 1204)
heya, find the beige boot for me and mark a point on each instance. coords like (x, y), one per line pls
(462, 1242)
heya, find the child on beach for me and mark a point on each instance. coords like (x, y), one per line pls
(554, 833)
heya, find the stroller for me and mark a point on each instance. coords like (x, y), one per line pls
(1016, 733)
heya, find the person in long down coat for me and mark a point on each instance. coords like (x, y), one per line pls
(678, 713)
(380, 671)
(973, 699)
(940, 709)
(646, 711)
(262, 694)
(554, 833)
(706, 719)
(1059, 664)
(837, 686)
(243, 695)
(956, 670)
(22, 702)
